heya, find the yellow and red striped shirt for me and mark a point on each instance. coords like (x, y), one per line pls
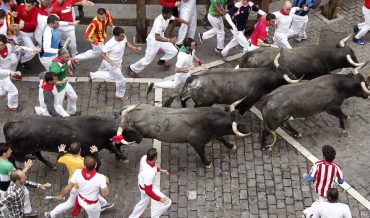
(9, 22)
(97, 30)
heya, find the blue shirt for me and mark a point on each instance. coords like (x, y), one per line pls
(301, 4)
(55, 41)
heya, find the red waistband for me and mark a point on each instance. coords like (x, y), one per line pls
(88, 201)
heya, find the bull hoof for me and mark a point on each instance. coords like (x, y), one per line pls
(234, 148)
(266, 148)
(343, 133)
(298, 135)
(208, 165)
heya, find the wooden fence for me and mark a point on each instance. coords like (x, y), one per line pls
(141, 22)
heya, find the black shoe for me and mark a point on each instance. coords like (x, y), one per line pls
(107, 206)
(355, 29)
(32, 214)
(78, 113)
(149, 88)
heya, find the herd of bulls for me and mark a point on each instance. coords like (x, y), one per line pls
(290, 83)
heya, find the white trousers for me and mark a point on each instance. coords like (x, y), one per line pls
(157, 208)
(365, 26)
(46, 61)
(43, 111)
(178, 81)
(217, 29)
(238, 38)
(106, 72)
(9, 89)
(71, 99)
(69, 32)
(299, 25)
(281, 40)
(186, 31)
(151, 50)
(70, 203)
(28, 40)
(89, 54)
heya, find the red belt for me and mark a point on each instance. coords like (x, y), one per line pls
(88, 201)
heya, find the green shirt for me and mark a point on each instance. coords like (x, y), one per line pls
(60, 71)
(213, 8)
(5, 168)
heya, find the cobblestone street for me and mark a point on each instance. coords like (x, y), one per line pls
(242, 183)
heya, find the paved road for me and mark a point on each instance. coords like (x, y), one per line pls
(242, 183)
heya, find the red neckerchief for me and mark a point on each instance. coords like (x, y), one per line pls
(150, 164)
(283, 12)
(4, 52)
(46, 86)
(58, 60)
(84, 172)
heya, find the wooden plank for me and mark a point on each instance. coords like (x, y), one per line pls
(141, 26)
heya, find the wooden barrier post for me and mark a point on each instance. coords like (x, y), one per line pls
(141, 27)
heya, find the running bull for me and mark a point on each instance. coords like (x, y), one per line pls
(308, 62)
(196, 126)
(33, 135)
(227, 85)
(305, 99)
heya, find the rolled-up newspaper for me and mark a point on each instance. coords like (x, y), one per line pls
(66, 43)
(51, 197)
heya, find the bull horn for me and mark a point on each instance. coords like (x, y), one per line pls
(276, 60)
(289, 80)
(124, 116)
(234, 125)
(350, 60)
(124, 142)
(364, 88)
(233, 105)
(359, 67)
(342, 42)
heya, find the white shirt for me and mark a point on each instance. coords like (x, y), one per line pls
(284, 22)
(40, 27)
(159, 27)
(4, 28)
(147, 173)
(6, 63)
(46, 41)
(115, 49)
(89, 189)
(185, 60)
(332, 210)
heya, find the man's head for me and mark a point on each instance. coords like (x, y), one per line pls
(29, 5)
(151, 155)
(332, 195)
(189, 43)
(3, 41)
(64, 55)
(60, 2)
(244, 2)
(2, 16)
(50, 78)
(89, 162)
(119, 33)
(75, 148)
(167, 12)
(5, 150)
(18, 177)
(287, 6)
(328, 152)
(46, 5)
(101, 14)
(270, 19)
(53, 21)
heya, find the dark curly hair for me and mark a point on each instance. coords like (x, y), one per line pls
(329, 153)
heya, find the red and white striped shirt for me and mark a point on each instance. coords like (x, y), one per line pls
(324, 174)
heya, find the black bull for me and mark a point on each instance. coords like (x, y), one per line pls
(308, 98)
(196, 126)
(307, 62)
(33, 135)
(225, 86)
